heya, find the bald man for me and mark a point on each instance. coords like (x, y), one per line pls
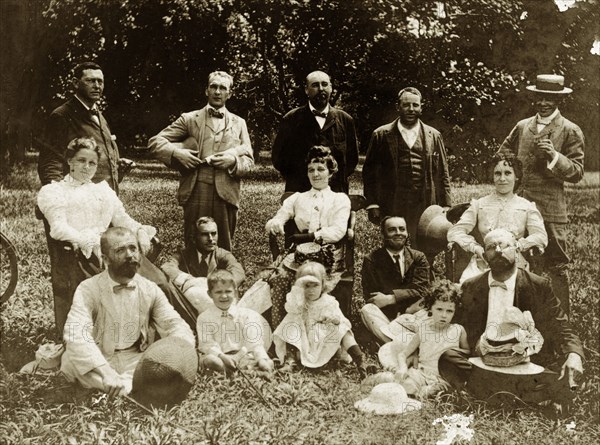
(316, 123)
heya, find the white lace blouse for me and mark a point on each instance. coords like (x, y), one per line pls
(80, 212)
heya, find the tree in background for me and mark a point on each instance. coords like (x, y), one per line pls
(468, 58)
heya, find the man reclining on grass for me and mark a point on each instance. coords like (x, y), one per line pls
(188, 269)
(113, 319)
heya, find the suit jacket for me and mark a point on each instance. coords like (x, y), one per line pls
(379, 274)
(69, 121)
(541, 185)
(299, 131)
(532, 293)
(90, 328)
(381, 163)
(235, 135)
(187, 261)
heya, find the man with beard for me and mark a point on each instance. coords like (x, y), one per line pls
(552, 151)
(114, 317)
(317, 123)
(406, 169)
(185, 267)
(485, 299)
(394, 277)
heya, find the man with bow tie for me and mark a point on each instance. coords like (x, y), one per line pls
(80, 117)
(115, 316)
(486, 298)
(551, 149)
(394, 278)
(211, 149)
(189, 268)
(316, 123)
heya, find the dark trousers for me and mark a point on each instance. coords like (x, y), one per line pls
(555, 262)
(205, 201)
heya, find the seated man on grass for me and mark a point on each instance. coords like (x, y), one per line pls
(189, 268)
(114, 317)
(394, 278)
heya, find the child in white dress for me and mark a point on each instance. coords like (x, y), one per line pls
(434, 336)
(314, 327)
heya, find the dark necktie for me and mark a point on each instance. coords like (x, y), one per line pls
(203, 267)
(319, 113)
(120, 287)
(214, 113)
(397, 263)
(498, 284)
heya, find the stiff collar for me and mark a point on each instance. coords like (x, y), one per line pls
(70, 180)
(325, 110)
(93, 107)
(546, 120)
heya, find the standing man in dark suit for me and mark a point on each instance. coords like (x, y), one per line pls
(551, 149)
(406, 168)
(485, 299)
(394, 277)
(76, 118)
(316, 123)
(211, 149)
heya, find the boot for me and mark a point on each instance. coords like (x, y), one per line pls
(359, 360)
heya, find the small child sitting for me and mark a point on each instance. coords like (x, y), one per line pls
(230, 336)
(314, 326)
(433, 337)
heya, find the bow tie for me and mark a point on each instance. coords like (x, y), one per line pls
(498, 284)
(120, 287)
(319, 113)
(214, 113)
(225, 314)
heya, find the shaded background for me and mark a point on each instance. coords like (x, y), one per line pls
(471, 60)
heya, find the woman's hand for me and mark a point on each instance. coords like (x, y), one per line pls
(144, 241)
(274, 227)
(88, 243)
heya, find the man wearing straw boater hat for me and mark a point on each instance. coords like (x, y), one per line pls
(486, 299)
(551, 150)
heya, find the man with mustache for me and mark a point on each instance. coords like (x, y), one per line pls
(551, 149)
(80, 117)
(199, 262)
(394, 277)
(115, 316)
(316, 123)
(485, 299)
(406, 168)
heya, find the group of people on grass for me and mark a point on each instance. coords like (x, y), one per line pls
(111, 302)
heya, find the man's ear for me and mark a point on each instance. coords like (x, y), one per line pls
(75, 82)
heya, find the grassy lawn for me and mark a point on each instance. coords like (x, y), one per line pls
(311, 407)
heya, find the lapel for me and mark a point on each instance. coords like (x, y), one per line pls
(311, 120)
(106, 297)
(81, 113)
(393, 137)
(200, 120)
(532, 125)
(553, 127)
(520, 290)
(409, 259)
(212, 263)
(330, 119)
(427, 138)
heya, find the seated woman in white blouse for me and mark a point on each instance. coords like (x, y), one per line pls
(320, 214)
(501, 209)
(78, 211)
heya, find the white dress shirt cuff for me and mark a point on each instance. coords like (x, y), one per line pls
(552, 163)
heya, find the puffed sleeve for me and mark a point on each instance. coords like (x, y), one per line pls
(536, 232)
(52, 203)
(285, 212)
(460, 233)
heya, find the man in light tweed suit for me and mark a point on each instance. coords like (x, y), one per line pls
(551, 150)
(211, 149)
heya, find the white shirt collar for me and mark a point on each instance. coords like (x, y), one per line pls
(546, 120)
(414, 129)
(75, 182)
(323, 191)
(325, 110)
(93, 107)
(510, 282)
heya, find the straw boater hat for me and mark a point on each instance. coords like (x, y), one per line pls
(432, 229)
(388, 398)
(166, 372)
(549, 84)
